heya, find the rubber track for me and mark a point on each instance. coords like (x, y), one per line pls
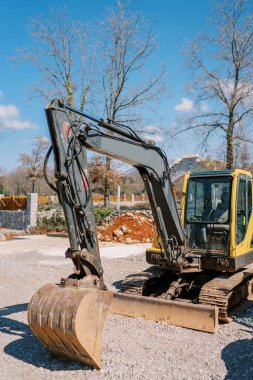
(219, 291)
(133, 283)
(216, 292)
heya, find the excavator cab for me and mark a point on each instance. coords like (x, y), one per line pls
(207, 213)
(216, 213)
(217, 216)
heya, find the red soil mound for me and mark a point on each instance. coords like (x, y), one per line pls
(128, 228)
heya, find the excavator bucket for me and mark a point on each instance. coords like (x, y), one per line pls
(69, 321)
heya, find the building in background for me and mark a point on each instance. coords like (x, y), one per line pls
(185, 164)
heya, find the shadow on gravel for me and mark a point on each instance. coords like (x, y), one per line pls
(238, 358)
(7, 310)
(138, 279)
(246, 318)
(118, 284)
(27, 348)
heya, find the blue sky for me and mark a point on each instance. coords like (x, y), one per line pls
(175, 22)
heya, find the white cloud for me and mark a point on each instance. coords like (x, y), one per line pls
(152, 129)
(153, 132)
(10, 119)
(186, 105)
(244, 90)
(15, 124)
(8, 110)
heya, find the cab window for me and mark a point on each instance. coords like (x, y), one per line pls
(208, 200)
(241, 210)
(243, 207)
(249, 198)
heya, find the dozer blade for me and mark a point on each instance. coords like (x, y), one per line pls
(70, 321)
(178, 313)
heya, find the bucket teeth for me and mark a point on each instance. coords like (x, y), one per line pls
(70, 322)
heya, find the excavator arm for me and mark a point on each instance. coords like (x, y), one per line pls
(69, 317)
(72, 133)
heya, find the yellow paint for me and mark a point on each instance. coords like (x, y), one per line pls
(233, 214)
(243, 247)
(183, 201)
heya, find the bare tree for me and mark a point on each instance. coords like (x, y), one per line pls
(59, 52)
(34, 162)
(128, 44)
(3, 180)
(241, 154)
(17, 181)
(97, 170)
(61, 55)
(222, 67)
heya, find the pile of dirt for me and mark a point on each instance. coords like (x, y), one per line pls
(9, 235)
(128, 228)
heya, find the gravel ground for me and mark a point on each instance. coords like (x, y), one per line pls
(132, 348)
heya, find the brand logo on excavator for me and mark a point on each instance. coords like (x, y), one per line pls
(66, 129)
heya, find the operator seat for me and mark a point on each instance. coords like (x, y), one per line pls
(221, 212)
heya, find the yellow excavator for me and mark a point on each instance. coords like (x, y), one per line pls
(199, 264)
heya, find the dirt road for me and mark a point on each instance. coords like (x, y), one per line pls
(132, 348)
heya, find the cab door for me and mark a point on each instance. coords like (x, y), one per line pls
(244, 220)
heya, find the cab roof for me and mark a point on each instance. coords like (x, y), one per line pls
(217, 173)
(211, 173)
